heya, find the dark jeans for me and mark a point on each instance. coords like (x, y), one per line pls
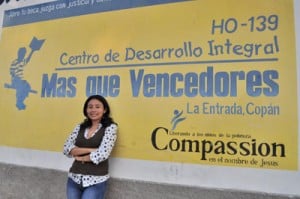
(76, 191)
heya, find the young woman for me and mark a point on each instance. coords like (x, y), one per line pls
(90, 144)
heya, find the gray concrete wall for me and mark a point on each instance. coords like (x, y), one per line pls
(35, 183)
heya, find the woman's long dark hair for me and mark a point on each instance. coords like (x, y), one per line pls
(106, 119)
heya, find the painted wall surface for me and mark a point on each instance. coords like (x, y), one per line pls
(205, 92)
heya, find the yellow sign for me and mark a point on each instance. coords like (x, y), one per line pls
(203, 82)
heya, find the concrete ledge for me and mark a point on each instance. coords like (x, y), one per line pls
(35, 183)
(26, 182)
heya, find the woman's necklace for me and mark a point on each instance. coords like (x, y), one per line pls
(91, 132)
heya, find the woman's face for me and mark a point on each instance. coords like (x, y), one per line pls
(95, 110)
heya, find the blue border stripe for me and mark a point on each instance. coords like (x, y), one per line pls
(34, 13)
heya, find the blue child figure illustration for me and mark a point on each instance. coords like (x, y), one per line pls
(18, 82)
(177, 118)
